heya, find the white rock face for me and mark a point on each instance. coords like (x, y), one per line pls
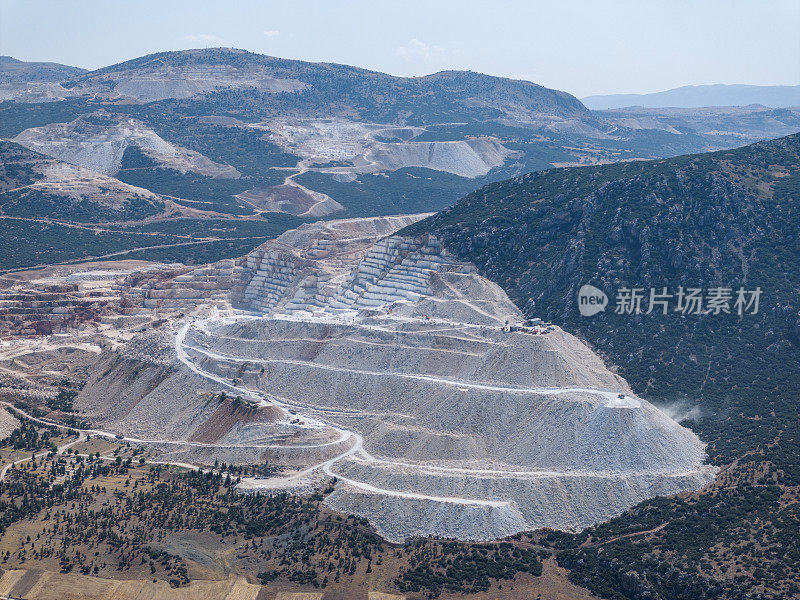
(150, 80)
(83, 184)
(33, 91)
(466, 431)
(100, 147)
(398, 518)
(186, 83)
(467, 158)
(8, 423)
(302, 270)
(370, 147)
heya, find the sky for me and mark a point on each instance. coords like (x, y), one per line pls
(582, 47)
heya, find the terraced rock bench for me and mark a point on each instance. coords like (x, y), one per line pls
(186, 289)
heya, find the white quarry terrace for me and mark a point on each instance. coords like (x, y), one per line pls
(375, 147)
(383, 362)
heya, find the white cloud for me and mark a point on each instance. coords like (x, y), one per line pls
(417, 50)
(204, 38)
(272, 33)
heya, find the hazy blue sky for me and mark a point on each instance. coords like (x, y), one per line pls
(583, 47)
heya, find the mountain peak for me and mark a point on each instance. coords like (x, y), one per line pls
(316, 87)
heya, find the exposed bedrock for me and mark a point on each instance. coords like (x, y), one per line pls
(468, 431)
(472, 424)
(190, 83)
(98, 142)
(290, 457)
(467, 158)
(185, 417)
(305, 269)
(472, 354)
(405, 277)
(505, 504)
(293, 199)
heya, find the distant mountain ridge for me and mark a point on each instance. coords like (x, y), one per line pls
(234, 136)
(698, 96)
(18, 71)
(368, 92)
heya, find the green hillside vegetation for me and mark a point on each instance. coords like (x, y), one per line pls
(18, 166)
(30, 243)
(34, 243)
(453, 105)
(36, 203)
(272, 225)
(148, 512)
(16, 117)
(41, 227)
(188, 189)
(723, 219)
(247, 149)
(549, 127)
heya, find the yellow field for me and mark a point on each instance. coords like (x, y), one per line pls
(49, 585)
(46, 585)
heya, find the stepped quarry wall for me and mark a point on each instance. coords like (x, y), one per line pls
(29, 310)
(343, 350)
(472, 423)
(305, 268)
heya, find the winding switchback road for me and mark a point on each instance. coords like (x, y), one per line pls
(356, 451)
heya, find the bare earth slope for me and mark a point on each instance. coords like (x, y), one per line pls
(36, 186)
(98, 142)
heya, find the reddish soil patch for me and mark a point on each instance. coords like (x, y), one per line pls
(227, 415)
